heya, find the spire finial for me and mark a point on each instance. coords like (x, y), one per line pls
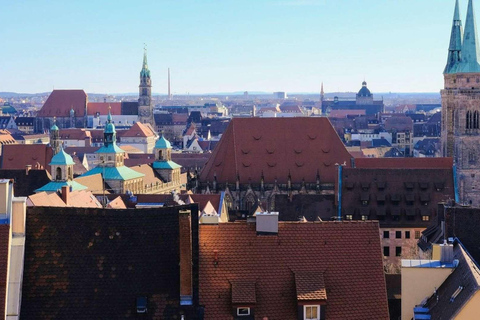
(109, 116)
(470, 49)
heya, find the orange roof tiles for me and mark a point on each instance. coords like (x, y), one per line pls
(102, 108)
(60, 102)
(243, 292)
(43, 199)
(404, 163)
(138, 130)
(276, 147)
(348, 254)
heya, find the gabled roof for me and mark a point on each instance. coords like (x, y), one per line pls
(117, 203)
(114, 173)
(276, 147)
(74, 134)
(54, 186)
(138, 130)
(43, 199)
(60, 102)
(351, 265)
(94, 182)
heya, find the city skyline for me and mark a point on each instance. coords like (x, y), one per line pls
(227, 46)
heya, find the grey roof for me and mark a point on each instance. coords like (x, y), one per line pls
(470, 49)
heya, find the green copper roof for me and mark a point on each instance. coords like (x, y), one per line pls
(54, 186)
(54, 127)
(115, 173)
(111, 148)
(163, 143)
(145, 72)
(470, 49)
(455, 48)
(165, 165)
(8, 109)
(61, 158)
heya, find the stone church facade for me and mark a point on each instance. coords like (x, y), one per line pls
(461, 107)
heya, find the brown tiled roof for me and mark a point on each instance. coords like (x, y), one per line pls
(74, 134)
(17, 156)
(60, 102)
(243, 292)
(117, 203)
(350, 260)
(151, 176)
(103, 107)
(404, 163)
(124, 254)
(276, 147)
(4, 244)
(399, 123)
(136, 159)
(310, 286)
(138, 130)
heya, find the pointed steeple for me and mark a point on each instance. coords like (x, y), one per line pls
(455, 48)
(470, 51)
(145, 72)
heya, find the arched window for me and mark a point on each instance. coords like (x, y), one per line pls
(468, 122)
(471, 157)
(69, 170)
(58, 175)
(475, 120)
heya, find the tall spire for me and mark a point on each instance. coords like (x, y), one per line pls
(470, 50)
(321, 93)
(145, 72)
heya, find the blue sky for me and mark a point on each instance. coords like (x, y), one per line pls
(226, 45)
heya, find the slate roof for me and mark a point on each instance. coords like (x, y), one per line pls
(130, 108)
(17, 156)
(276, 147)
(124, 253)
(467, 275)
(351, 263)
(4, 245)
(60, 102)
(24, 121)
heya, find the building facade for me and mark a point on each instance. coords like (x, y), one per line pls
(461, 106)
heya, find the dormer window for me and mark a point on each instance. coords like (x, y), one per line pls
(243, 311)
(311, 312)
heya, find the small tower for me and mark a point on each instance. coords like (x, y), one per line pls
(62, 174)
(166, 168)
(145, 107)
(55, 137)
(364, 96)
(110, 155)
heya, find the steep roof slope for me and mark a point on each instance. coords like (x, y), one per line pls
(276, 147)
(348, 255)
(60, 102)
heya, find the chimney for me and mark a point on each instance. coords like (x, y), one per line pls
(446, 252)
(185, 232)
(4, 190)
(19, 208)
(65, 194)
(267, 223)
(28, 167)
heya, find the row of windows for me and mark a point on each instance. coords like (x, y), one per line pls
(398, 234)
(381, 218)
(472, 120)
(386, 251)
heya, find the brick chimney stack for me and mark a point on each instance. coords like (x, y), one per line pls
(65, 194)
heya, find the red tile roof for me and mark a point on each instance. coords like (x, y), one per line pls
(4, 244)
(17, 156)
(138, 130)
(102, 108)
(60, 102)
(243, 292)
(347, 253)
(404, 163)
(277, 147)
(310, 286)
(74, 134)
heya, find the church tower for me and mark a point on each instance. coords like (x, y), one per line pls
(55, 137)
(461, 106)
(145, 106)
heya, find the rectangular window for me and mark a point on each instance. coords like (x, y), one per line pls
(407, 234)
(398, 234)
(386, 234)
(398, 251)
(417, 234)
(349, 217)
(364, 218)
(311, 312)
(386, 251)
(425, 218)
(243, 311)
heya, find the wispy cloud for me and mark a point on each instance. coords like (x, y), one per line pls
(298, 3)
